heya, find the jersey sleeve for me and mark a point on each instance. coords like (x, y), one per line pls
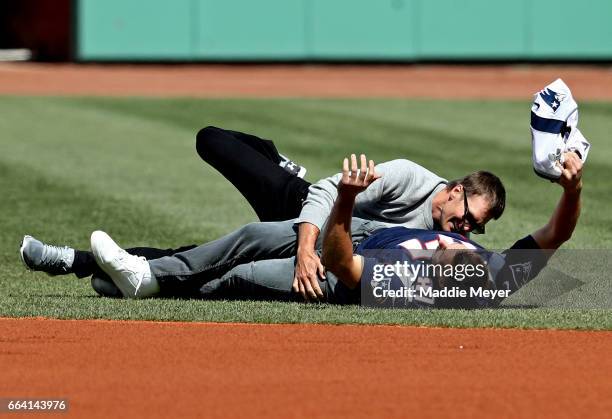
(526, 243)
(515, 267)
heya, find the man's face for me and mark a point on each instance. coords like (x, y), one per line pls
(454, 217)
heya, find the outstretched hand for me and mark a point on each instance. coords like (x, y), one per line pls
(357, 180)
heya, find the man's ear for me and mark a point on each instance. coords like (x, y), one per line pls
(454, 193)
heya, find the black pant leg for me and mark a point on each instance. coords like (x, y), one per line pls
(251, 165)
(85, 264)
(261, 145)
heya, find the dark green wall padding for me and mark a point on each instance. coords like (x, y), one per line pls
(409, 30)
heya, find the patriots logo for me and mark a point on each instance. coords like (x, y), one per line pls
(520, 273)
(552, 98)
(555, 157)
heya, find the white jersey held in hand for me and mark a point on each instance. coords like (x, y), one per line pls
(554, 129)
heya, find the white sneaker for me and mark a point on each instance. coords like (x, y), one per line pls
(39, 256)
(131, 274)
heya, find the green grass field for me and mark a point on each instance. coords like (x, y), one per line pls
(69, 166)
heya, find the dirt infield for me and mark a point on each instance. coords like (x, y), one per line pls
(443, 82)
(147, 369)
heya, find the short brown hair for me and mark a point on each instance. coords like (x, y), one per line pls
(484, 184)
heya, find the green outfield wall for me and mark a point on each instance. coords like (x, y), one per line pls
(409, 30)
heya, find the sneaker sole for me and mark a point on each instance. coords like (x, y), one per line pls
(21, 249)
(99, 236)
(96, 238)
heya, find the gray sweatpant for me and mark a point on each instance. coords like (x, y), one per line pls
(194, 268)
(273, 280)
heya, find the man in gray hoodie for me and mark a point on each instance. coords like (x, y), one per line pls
(408, 195)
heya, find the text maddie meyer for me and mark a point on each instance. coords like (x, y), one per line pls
(429, 292)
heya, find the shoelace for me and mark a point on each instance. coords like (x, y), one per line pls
(55, 256)
(125, 256)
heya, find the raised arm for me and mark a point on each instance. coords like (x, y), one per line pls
(338, 255)
(525, 259)
(404, 183)
(317, 208)
(563, 221)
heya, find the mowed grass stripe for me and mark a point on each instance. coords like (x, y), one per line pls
(60, 213)
(150, 163)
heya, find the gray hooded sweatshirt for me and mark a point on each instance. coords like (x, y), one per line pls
(403, 196)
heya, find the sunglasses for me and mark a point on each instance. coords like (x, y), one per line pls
(469, 218)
